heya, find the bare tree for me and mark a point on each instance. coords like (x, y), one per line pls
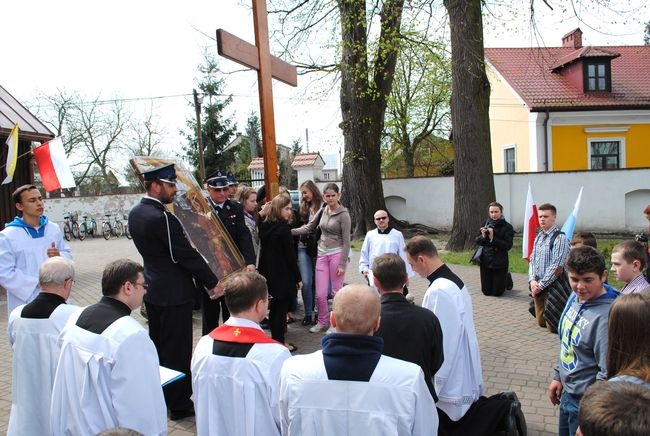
(145, 134)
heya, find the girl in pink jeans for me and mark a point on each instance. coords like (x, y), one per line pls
(333, 222)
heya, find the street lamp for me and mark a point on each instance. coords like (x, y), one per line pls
(199, 137)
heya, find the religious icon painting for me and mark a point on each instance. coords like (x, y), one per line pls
(202, 226)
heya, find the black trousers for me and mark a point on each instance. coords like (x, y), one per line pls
(278, 309)
(211, 310)
(493, 281)
(484, 417)
(170, 329)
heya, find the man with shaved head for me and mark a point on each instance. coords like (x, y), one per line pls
(358, 389)
(384, 239)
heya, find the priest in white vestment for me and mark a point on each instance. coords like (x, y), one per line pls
(382, 240)
(236, 368)
(108, 372)
(34, 336)
(349, 387)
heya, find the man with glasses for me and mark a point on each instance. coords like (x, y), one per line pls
(25, 243)
(238, 363)
(171, 266)
(34, 337)
(231, 214)
(108, 372)
(382, 240)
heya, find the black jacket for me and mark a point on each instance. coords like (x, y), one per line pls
(278, 262)
(411, 333)
(232, 218)
(170, 280)
(495, 252)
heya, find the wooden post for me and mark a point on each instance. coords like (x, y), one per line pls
(259, 57)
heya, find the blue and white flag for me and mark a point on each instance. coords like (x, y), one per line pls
(570, 223)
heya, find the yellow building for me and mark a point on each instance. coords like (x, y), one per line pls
(570, 107)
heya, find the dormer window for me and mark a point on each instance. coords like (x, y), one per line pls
(597, 76)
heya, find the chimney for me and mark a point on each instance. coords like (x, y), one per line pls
(573, 39)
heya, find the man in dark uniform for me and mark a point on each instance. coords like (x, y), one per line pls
(233, 184)
(231, 214)
(410, 332)
(171, 265)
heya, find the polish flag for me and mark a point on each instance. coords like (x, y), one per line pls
(53, 166)
(531, 223)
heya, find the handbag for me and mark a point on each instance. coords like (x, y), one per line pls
(476, 257)
(558, 294)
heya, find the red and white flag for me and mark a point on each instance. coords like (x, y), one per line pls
(531, 223)
(53, 166)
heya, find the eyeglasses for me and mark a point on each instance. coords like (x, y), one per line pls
(380, 218)
(145, 286)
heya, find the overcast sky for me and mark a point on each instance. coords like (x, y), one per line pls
(146, 48)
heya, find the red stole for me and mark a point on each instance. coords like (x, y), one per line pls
(240, 335)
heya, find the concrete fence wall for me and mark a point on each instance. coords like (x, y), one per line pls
(612, 201)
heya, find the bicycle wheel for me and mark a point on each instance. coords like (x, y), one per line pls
(127, 233)
(67, 233)
(82, 231)
(119, 228)
(106, 231)
(75, 230)
(93, 229)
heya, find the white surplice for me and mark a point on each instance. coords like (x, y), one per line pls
(35, 345)
(107, 381)
(459, 381)
(375, 244)
(21, 256)
(395, 401)
(237, 396)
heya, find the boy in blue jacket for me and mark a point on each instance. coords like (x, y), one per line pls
(583, 335)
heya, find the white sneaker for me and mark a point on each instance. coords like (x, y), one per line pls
(410, 298)
(330, 330)
(317, 328)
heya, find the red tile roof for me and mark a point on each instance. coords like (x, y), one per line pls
(257, 163)
(306, 160)
(529, 71)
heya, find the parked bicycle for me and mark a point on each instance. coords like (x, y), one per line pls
(87, 227)
(126, 226)
(70, 225)
(112, 227)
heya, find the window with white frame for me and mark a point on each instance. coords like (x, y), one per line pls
(509, 160)
(606, 153)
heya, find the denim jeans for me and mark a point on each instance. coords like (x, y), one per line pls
(306, 267)
(569, 406)
(326, 267)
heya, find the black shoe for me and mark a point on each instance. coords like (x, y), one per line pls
(182, 414)
(509, 283)
(265, 324)
(307, 320)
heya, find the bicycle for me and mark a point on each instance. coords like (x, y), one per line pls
(70, 225)
(126, 227)
(112, 227)
(87, 227)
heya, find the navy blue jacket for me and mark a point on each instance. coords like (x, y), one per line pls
(170, 280)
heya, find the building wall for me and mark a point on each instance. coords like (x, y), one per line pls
(612, 201)
(509, 124)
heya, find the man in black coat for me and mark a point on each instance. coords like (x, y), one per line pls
(171, 265)
(231, 214)
(410, 332)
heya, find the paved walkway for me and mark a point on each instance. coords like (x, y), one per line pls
(516, 354)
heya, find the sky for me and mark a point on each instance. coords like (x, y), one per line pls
(149, 50)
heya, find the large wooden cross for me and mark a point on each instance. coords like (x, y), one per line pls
(258, 57)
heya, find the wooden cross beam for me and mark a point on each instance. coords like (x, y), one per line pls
(258, 57)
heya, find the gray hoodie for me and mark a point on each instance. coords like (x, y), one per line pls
(583, 342)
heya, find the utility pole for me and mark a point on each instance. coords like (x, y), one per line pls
(199, 137)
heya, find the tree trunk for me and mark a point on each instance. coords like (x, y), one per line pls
(473, 177)
(363, 105)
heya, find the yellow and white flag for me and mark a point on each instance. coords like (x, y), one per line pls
(12, 154)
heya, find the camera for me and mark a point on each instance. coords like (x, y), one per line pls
(488, 226)
(641, 238)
